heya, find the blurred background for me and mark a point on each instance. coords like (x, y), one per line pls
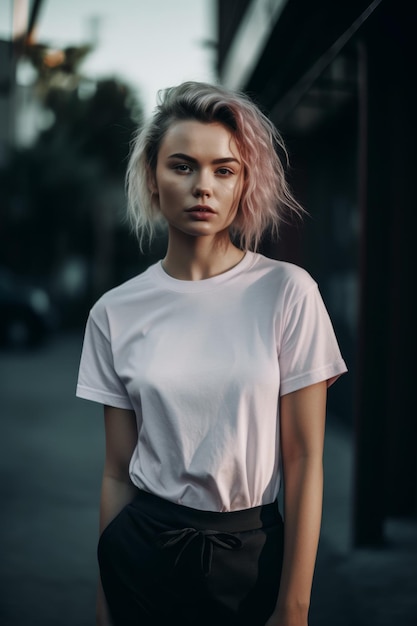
(76, 80)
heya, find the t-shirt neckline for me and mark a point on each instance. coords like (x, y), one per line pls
(192, 286)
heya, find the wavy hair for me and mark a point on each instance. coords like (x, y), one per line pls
(266, 199)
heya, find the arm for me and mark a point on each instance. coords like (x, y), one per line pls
(117, 489)
(302, 440)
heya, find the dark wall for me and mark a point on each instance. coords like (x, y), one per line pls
(348, 115)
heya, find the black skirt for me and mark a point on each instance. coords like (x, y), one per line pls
(161, 561)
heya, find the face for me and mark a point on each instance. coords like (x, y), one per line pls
(198, 179)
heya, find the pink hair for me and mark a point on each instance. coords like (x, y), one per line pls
(266, 199)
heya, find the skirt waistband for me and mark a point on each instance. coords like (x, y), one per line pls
(181, 516)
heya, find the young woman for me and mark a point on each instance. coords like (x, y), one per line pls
(213, 367)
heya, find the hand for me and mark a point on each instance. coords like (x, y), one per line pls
(103, 620)
(102, 610)
(288, 617)
(276, 621)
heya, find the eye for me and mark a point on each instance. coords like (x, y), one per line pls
(225, 171)
(182, 168)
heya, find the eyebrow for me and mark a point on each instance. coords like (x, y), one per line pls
(186, 157)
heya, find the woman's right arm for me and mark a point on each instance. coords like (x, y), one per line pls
(117, 489)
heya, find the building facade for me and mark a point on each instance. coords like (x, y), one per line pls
(335, 77)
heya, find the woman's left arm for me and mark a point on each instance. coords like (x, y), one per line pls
(303, 415)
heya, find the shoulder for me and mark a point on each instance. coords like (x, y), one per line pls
(121, 297)
(288, 278)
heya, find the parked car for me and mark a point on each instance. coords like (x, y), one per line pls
(26, 313)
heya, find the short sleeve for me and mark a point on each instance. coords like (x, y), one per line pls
(309, 352)
(97, 378)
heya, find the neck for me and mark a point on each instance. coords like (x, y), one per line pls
(197, 258)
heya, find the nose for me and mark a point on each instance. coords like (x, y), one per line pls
(202, 187)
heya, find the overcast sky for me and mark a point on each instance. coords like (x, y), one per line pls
(151, 44)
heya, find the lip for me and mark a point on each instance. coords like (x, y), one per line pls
(200, 209)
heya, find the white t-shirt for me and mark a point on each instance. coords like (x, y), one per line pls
(202, 364)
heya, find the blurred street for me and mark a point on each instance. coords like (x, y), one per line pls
(51, 452)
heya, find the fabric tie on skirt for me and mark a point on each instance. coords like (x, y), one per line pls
(183, 537)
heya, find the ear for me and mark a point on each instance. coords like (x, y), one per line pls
(151, 180)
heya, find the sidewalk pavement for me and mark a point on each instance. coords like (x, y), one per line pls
(360, 586)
